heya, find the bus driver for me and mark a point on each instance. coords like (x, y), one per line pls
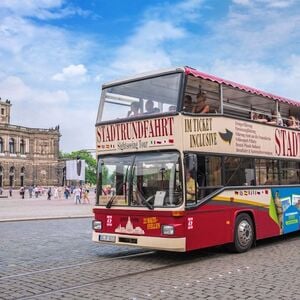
(190, 187)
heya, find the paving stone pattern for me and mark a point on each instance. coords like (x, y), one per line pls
(56, 259)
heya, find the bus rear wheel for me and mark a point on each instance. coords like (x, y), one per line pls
(243, 234)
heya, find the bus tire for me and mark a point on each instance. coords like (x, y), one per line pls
(243, 234)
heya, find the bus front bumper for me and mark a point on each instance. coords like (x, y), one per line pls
(151, 242)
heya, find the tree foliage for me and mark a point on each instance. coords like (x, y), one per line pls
(91, 164)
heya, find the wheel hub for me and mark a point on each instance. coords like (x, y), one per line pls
(244, 233)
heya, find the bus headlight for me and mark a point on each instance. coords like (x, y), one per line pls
(167, 229)
(97, 225)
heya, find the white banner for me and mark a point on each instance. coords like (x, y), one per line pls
(75, 169)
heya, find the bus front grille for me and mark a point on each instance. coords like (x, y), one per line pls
(127, 240)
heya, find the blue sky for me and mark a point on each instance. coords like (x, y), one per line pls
(55, 54)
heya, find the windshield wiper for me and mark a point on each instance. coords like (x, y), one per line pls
(144, 201)
(110, 201)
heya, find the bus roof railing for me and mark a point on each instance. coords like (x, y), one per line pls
(196, 73)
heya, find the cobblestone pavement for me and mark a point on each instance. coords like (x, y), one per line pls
(55, 259)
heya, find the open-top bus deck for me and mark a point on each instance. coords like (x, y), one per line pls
(175, 178)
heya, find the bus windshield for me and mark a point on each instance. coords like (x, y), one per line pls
(143, 97)
(143, 179)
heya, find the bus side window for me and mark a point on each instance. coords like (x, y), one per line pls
(203, 176)
(238, 171)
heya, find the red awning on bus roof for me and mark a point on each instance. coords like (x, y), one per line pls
(190, 71)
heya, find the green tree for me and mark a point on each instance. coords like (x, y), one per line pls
(91, 164)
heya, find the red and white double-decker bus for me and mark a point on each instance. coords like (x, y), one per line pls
(187, 160)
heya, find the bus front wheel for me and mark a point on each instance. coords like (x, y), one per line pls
(243, 234)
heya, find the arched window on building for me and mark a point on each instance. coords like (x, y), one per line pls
(11, 176)
(22, 146)
(22, 176)
(12, 146)
(1, 176)
(1, 145)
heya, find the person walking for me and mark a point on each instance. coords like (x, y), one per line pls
(10, 191)
(67, 193)
(22, 192)
(49, 194)
(36, 191)
(86, 198)
(77, 192)
(55, 193)
(30, 190)
(59, 193)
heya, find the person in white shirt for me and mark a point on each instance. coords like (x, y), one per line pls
(77, 194)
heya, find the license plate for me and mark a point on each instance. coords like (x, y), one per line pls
(107, 238)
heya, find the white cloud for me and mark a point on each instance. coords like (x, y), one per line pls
(277, 3)
(41, 9)
(242, 2)
(38, 50)
(144, 50)
(71, 72)
(15, 89)
(32, 54)
(256, 33)
(148, 47)
(40, 108)
(279, 80)
(267, 3)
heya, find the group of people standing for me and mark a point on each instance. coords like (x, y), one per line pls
(80, 194)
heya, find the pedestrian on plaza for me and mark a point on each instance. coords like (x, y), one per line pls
(49, 194)
(86, 198)
(55, 193)
(10, 191)
(36, 191)
(30, 190)
(22, 192)
(1, 190)
(59, 193)
(77, 192)
(67, 193)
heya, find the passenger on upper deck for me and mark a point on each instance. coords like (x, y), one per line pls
(258, 117)
(292, 122)
(201, 106)
(188, 103)
(150, 109)
(134, 109)
(276, 118)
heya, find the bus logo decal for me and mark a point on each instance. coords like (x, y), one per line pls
(227, 136)
(129, 228)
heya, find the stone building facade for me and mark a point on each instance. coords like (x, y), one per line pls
(28, 156)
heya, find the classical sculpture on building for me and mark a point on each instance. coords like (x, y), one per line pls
(28, 156)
